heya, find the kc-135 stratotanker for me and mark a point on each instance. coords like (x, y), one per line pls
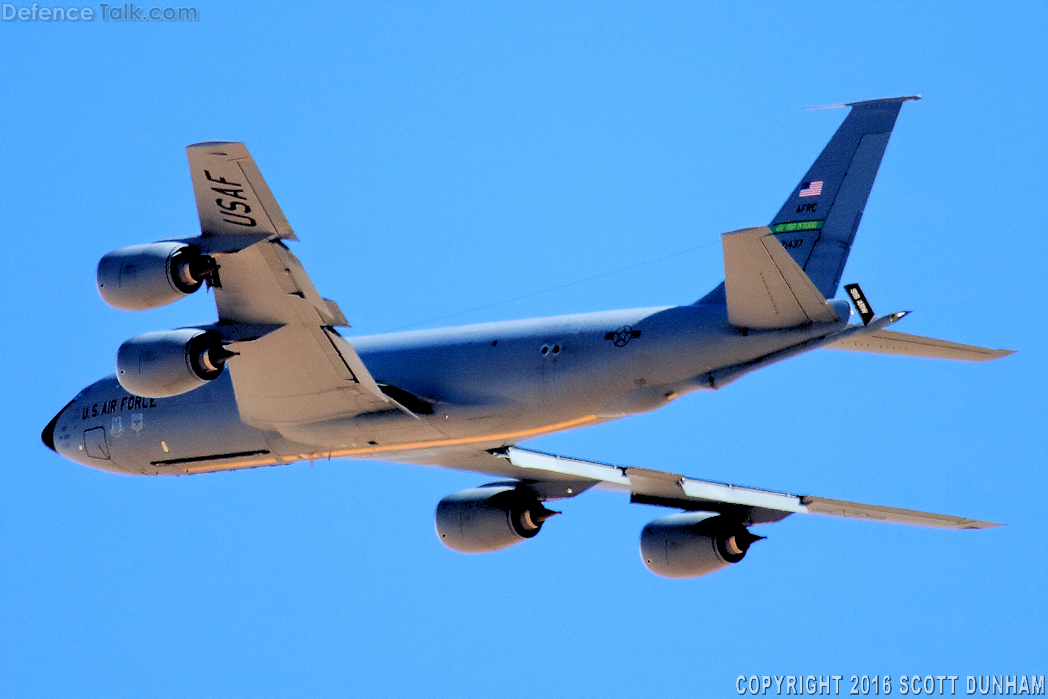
(273, 381)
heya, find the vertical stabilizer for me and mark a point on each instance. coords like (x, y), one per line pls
(817, 223)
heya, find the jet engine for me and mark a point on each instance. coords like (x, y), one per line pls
(167, 363)
(691, 544)
(140, 277)
(489, 518)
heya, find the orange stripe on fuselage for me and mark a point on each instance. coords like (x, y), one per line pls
(272, 460)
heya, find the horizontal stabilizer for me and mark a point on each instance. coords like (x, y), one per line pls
(764, 287)
(891, 342)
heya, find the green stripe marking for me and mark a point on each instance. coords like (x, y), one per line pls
(797, 226)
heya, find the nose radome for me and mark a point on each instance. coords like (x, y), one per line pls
(48, 435)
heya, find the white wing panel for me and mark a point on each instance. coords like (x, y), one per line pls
(675, 490)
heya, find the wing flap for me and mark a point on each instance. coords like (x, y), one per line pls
(891, 342)
(338, 319)
(303, 371)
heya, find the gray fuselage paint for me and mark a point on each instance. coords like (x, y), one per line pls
(489, 384)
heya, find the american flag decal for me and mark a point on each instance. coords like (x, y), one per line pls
(811, 189)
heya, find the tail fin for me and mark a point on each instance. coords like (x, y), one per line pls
(817, 223)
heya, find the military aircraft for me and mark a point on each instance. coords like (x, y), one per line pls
(273, 381)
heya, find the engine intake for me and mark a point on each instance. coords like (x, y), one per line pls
(171, 362)
(489, 518)
(691, 544)
(140, 277)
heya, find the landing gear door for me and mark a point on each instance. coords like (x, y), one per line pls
(95, 443)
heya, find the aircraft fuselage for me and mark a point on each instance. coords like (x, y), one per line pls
(483, 385)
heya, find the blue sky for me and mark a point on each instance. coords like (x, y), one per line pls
(436, 159)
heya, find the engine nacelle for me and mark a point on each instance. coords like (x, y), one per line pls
(140, 277)
(489, 518)
(168, 363)
(691, 544)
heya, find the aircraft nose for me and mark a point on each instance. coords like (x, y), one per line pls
(48, 435)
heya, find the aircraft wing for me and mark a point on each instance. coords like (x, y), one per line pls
(554, 477)
(232, 198)
(290, 364)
